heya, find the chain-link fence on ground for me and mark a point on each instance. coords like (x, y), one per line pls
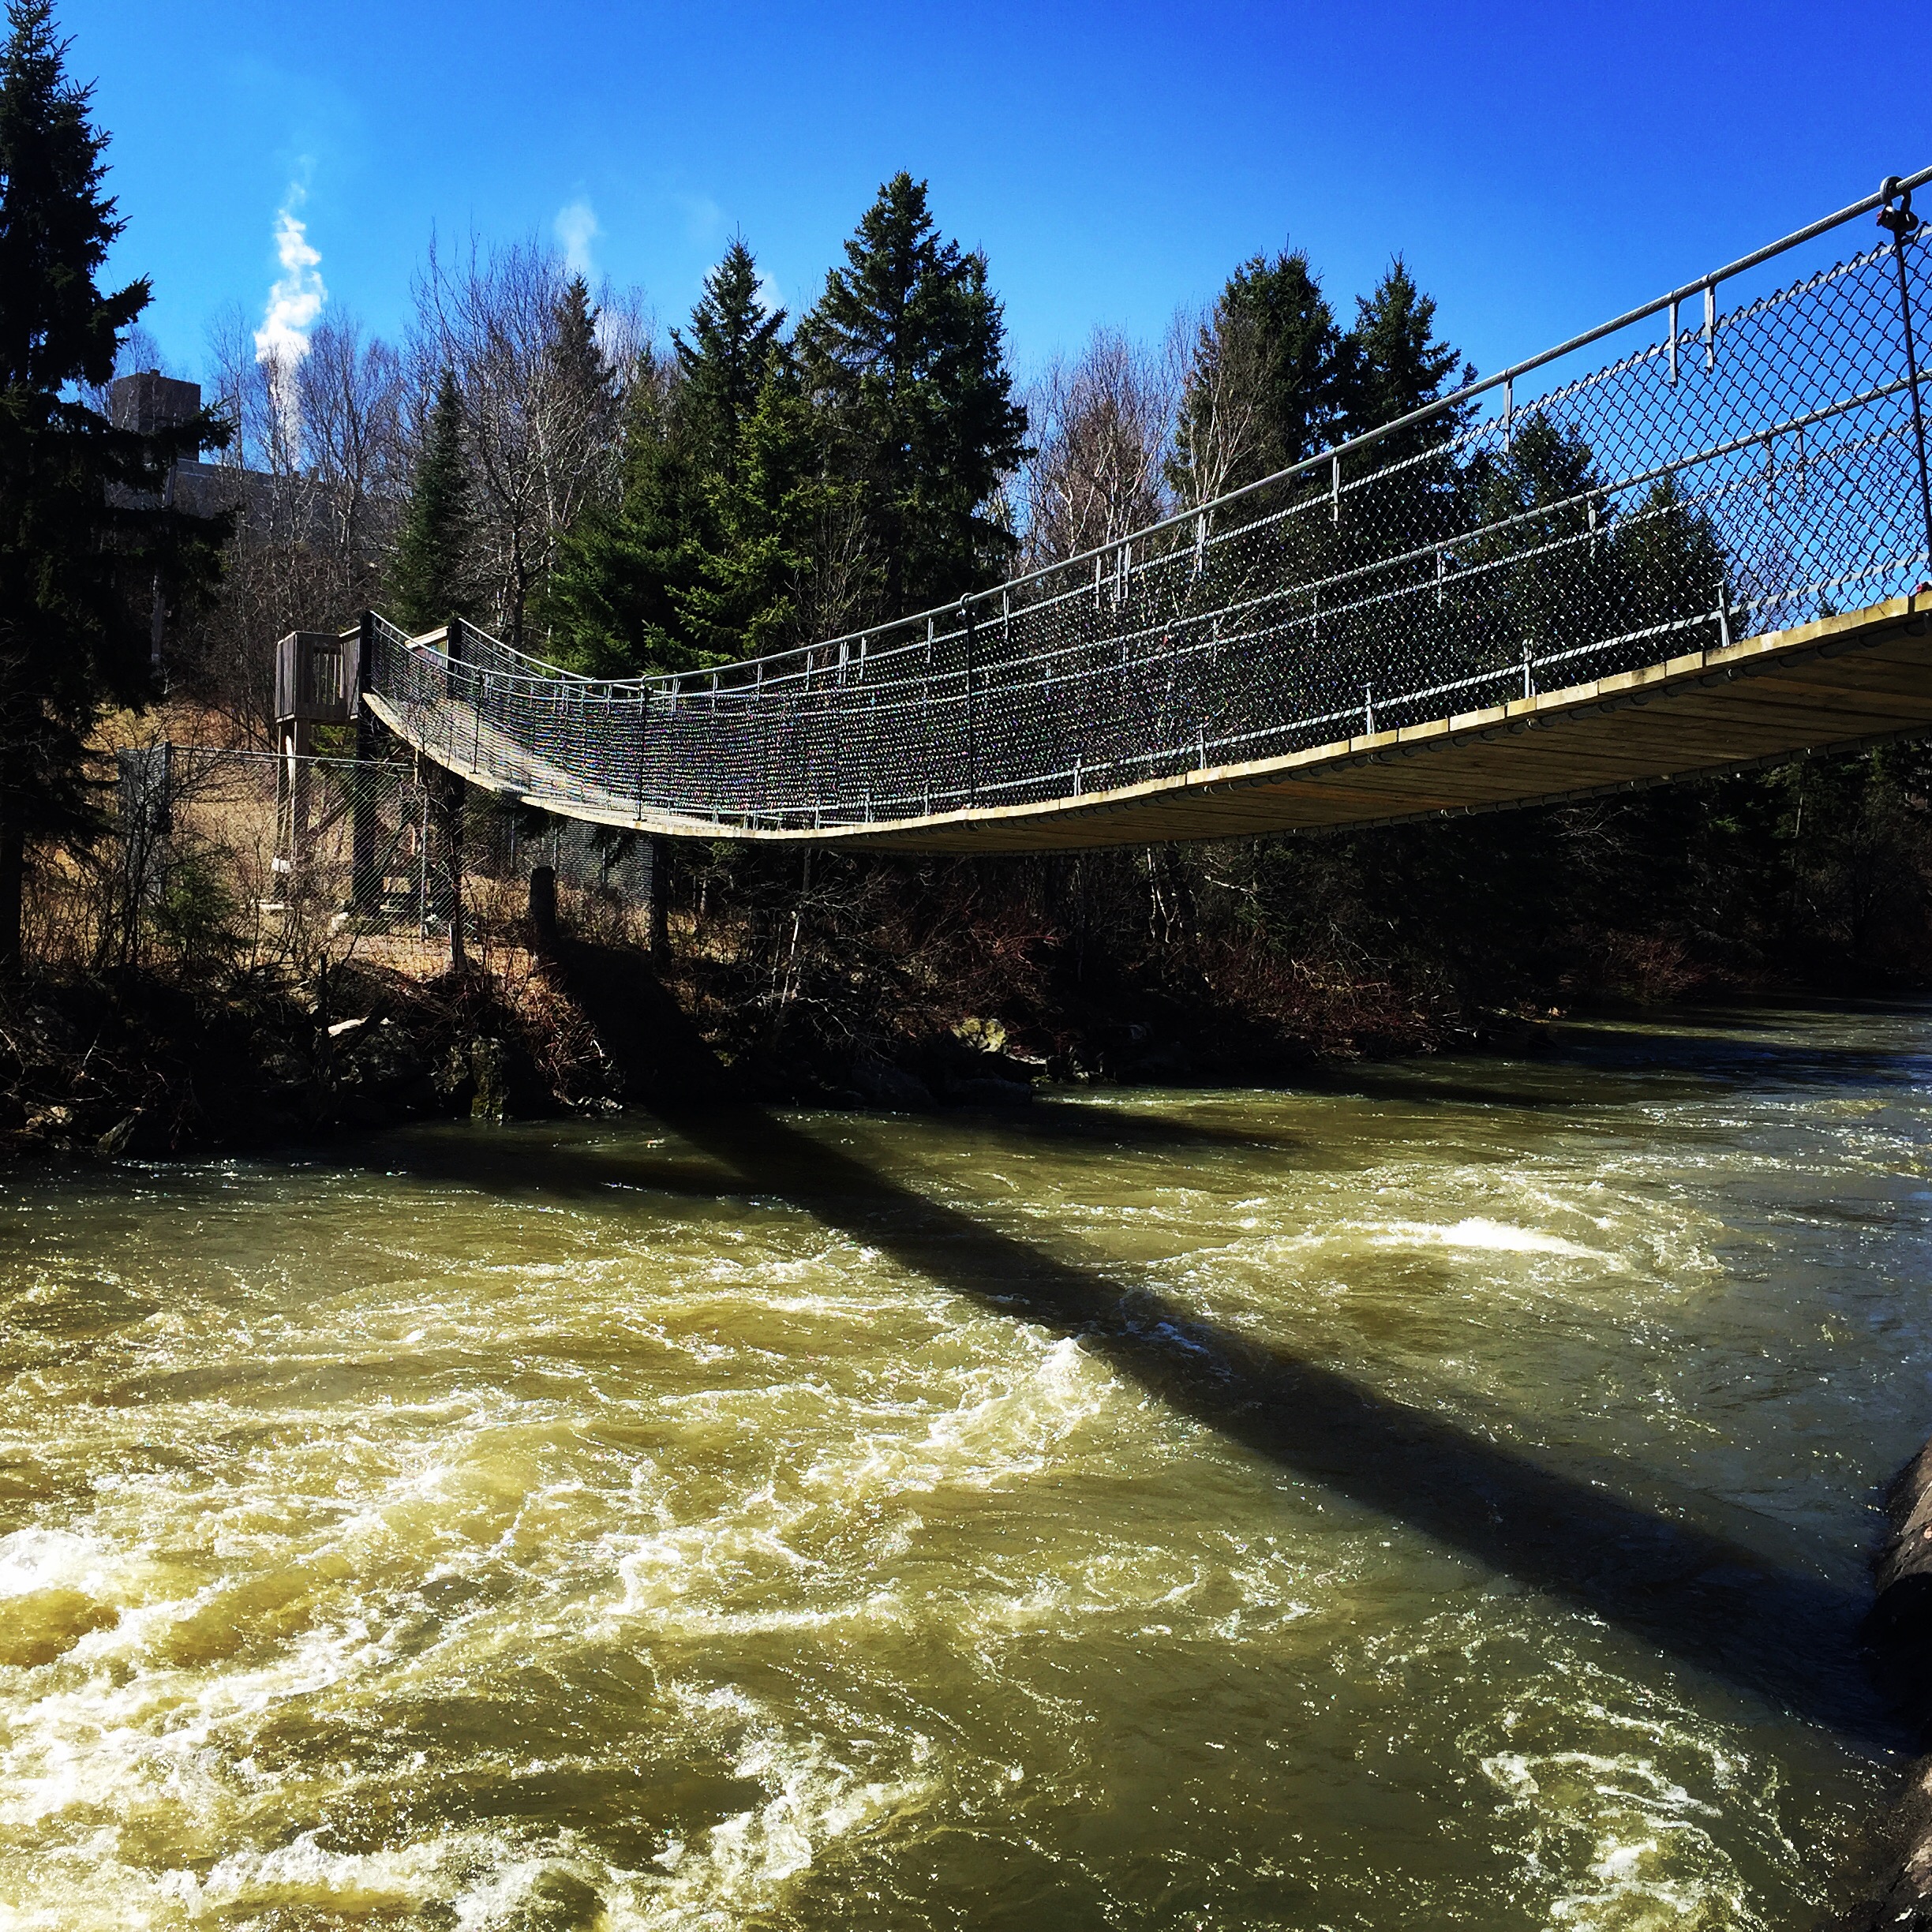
(254, 857)
(1733, 471)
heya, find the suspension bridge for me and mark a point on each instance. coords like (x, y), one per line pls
(1710, 551)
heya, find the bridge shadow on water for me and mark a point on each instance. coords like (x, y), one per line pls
(1726, 1592)
(1774, 1627)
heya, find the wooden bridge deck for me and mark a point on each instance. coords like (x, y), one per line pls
(1833, 684)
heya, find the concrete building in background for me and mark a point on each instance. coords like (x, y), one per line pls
(148, 401)
(291, 507)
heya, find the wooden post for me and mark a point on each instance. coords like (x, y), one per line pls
(364, 887)
(658, 894)
(543, 908)
(449, 790)
(297, 746)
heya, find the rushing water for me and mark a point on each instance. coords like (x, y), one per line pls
(1438, 1501)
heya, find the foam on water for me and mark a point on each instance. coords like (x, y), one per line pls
(381, 1548)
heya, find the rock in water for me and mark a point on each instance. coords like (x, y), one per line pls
(489, 1074)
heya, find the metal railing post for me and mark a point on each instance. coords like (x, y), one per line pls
(1903, 223)
(972, 728)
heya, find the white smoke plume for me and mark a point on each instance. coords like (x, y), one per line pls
(295, 299)
(576, 227)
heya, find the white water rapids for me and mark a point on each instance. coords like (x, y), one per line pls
(567, 1526)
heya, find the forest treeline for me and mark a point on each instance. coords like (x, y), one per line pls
(544, 462)
(544, 458)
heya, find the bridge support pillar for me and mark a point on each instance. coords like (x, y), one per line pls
(543, 918)
(365, 884)
(294, 747)
(657, 895)
(447, 792)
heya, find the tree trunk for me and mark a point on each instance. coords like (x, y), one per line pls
(12, 881)
(657, 902)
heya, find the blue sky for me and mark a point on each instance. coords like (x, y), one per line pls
(1540, 166)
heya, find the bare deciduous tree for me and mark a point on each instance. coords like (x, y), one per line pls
(1217, 357)
(542, 374)
(1106, 426)
(351, 397)
(315, 474)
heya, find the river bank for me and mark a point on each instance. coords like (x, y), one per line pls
(145, 1063)
(855, 980)
(182, 1060)
(1899, 1633)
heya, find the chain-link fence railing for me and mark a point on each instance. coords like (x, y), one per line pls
(1733, 472)
(253, 857)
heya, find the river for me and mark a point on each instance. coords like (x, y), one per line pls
(1440, 1498)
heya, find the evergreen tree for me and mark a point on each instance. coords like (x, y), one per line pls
(734, 346)
(639, 584)
(1559, 564)
(85, 546)
(1670, 566)
(576, 356)
(765, 497)
(577, 409)
(1409, 488)
(1269, 384)
(613, 600)
(712, 541)
(1391, 364)
(906, 348)
(1535, 505)
(430, 578)
(768, 510)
